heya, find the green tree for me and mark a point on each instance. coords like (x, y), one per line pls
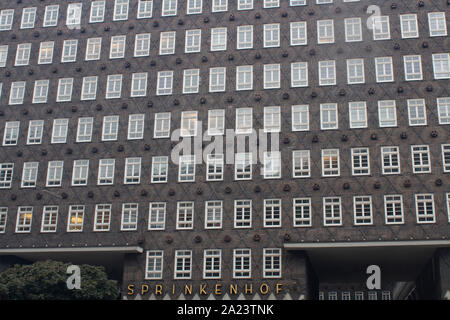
(46, 280)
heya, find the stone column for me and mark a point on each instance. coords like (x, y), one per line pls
(300, 277)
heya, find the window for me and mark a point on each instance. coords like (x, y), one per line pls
(106, 169)
(301, 164)
(355, 71)
(387, 113)
(212, 264)
(393, 207)
(360, 161)
(301, 208)
(441, 66)
(162, 125)
(328, 116)
(332, 211)
(243, 166)
(386, 295)
(299, 33)
(114, 86)
(75, 218)
(272, 213)
(49, 219)
(46, 52)
(213, 214)
(24, 219)
(191, 81)
(244, 120)
(167, 43)
(420, 157)
(417, 114)
(271, 35)
(272, 76)
(193, 41)
(443, 106)
(120, 10)
(65, 87)
(110, 128)
(216, 122)
(245, 37)
(165, 83)
(245, 4)
(218, 39)
(186, 171)
(194, 6)
(80, 172)
(28, 18)
(74, 11)
(169, 8)
(425, 208)
(160, 167)
(384, 69)
(327, 73)
(6, 19)
(219, 5)
(447, 200)
(157, 216)
(54, 173)
(437, 24)
(446, 157)
(17, 92)
(324, 1)
(272, 119)
(142, 45)
(242, 263)
(217, 79)
(413, 67)
(89, 88)
(117, 49)
(132, 171)
(23, 54)
(154, 264)
(6, 175)
(299, 74)
(293, 3)
(183, 264)
(139, 84)
(409, 27)
(271, 3)
(380, 28)
(242, 213)
(3, 55)
(188, 123)
(29, 174)
(272, 263)
(11, 133)
(390, 159)
(353, 30)
(357, 111)
(362, 209)
(35, 131)
(272, 165)
(69, 52)
(300, 118)
(325, 31)
(97, 11)
(130, 212)
(145, 9)
(185, 215)
(93, 49)
(84, 131)
(102, 217)
(244, 78)
(330, 162)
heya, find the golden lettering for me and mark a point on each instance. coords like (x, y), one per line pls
(188, 289)
(202, 289)
(130, 289)
(144, 289)
(264, 288)
(278, 288)
(233, 289)
(249, 290)
(158, 289)
(217, 290)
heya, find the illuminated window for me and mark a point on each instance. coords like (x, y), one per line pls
(75, 218)
(24, 219)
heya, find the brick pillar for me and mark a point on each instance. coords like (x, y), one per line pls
(130, 272)
(444, 273)
(300, 275)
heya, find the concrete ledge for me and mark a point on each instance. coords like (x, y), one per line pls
(14, 251)
(368, 244)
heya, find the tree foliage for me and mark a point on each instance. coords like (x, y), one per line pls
(46, 280)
